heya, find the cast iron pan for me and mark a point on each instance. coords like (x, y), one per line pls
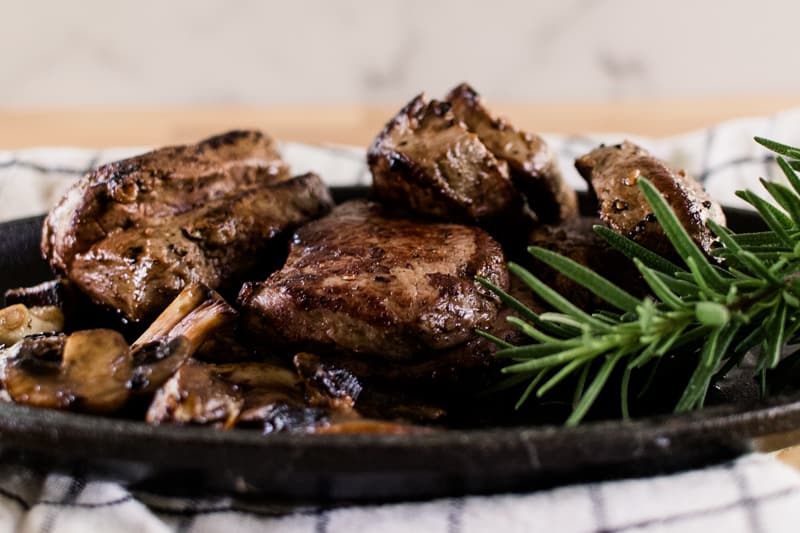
(186, 460)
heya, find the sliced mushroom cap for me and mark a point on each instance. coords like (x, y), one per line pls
(226, 394)
(18, 321)
(193, 317)
(86, 371)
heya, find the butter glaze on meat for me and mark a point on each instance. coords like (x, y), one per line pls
(612, 171)
(360, 281)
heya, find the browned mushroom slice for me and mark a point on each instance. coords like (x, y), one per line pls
(263, 395)
(18, 321)
(195, 314)
(225, 395)
(86, 371)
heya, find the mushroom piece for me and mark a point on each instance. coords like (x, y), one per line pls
(192, 317)
(86, 371)
(265, 395)
(228, 394)
(18, 321)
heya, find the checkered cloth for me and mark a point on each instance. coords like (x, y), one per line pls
(754, 494)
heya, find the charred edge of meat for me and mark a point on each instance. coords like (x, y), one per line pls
(431, 188)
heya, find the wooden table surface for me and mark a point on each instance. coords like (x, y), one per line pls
(357, 125)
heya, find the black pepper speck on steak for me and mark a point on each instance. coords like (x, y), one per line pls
(359, 281)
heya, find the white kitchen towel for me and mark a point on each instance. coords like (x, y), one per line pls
(754, 494)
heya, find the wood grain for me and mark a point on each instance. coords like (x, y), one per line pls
(356, 124)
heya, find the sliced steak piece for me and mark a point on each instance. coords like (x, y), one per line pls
(612, 171)
(428, 162)
(138, 270)
(360, 281)
(161, 183)
(533, 168)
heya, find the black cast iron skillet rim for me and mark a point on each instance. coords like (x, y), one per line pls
(44, 428)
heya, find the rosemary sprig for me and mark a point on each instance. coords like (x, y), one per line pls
(713, 312)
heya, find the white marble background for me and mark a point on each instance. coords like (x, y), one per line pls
(158, 52)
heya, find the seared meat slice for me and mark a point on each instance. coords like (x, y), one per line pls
(139, 270)
(427, 161)
(577, 240)
(461, 367)
(612, 172)
(154, 185)
(360, 281)
(532, 166)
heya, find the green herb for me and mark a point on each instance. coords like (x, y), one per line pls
(715, 310)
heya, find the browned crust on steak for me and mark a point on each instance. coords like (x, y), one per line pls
(138, 271)
(428, 162)
(164, 182)
(533, 168)
(358, 281)
(612, 171)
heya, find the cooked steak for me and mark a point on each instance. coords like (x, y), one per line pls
(454, 161)
(577, 240)
(428, 162)
(138, 270)
(612, 171)
(360, 281)
(157, 184)
(461, 366)
(532, 166)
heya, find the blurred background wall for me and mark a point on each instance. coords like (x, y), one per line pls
(211, 52)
